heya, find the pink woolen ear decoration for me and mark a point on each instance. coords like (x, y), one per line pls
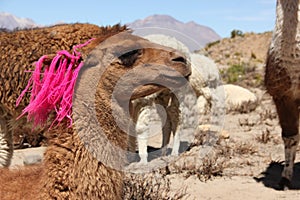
(52, 87)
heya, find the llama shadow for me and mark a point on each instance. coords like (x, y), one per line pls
(272, 175)
(154, 153)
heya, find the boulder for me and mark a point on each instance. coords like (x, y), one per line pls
(239, 99)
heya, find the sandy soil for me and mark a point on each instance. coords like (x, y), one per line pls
(238, 187)
(253, 172)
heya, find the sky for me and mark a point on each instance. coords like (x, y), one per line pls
(222, 16)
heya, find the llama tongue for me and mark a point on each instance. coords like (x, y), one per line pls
(52, 89)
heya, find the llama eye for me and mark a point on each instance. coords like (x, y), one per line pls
(129, 58)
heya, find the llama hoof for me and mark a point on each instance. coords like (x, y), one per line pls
(175, 153)
(164, 151)
(141, 163)
(284, 184)
(143, 160)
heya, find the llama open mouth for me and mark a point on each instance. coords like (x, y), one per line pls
(171, 82)
(165, 81)
(177, 80)
(146, 90)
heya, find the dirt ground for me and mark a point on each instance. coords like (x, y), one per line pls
(254, 169)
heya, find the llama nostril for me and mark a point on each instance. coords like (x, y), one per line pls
(179, 59)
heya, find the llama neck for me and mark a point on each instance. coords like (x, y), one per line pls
(101, 122)
(90, 154)
(112, 117)
(287, 29)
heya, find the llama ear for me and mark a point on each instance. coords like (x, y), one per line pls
(129, 58)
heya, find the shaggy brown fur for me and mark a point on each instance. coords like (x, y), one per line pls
(20, 49)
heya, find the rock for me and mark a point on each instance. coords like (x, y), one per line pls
(269, 122)
(238, 99)
(224, 134)
(202, 105)
(207, 127)
(28, 156)
(213, 128)
(32, 159)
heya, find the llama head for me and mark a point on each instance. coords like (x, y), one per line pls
(132, 67)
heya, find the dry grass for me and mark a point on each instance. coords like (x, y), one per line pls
(242, 148)
(268, 114)
(211, 167)
(265, 137)
(154, 185)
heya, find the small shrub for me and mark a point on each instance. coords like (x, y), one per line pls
(265, 137)
(212, 167)
(233, 73)
(212, 44)
(245, 148)
(238, 54)
(268, 114)
(235, 33)
(253, 56)
(258, 79)
(153, 185)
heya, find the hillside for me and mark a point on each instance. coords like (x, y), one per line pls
(249, 47)
(241, 59)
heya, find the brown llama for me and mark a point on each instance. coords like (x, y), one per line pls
(72, 168)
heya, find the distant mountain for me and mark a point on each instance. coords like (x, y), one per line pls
(193, 35)
(10, 22)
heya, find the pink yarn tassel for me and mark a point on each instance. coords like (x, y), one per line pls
(53, 89)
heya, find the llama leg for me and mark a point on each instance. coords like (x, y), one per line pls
(142, 144)
(290, 147)
(162, 106)
(174, 113)
(176, 143)
(142, 130)
(132, 143)
(131, 148)
(166, 136)
(176, 134)
(289, 121)
(6, 144)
